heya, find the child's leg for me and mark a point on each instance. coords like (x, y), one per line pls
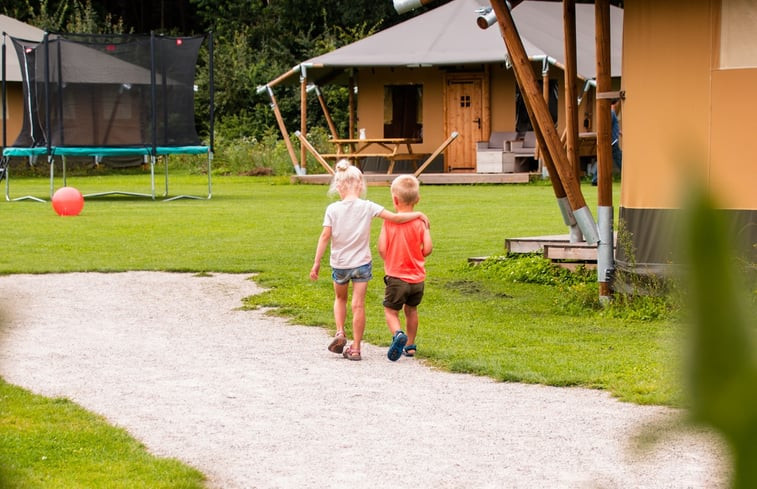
(340, 305)
(392, 319)
(358, 312)
(411, 323)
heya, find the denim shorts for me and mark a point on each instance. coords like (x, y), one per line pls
(363, 273)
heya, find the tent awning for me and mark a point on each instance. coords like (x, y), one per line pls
(449, 35)
(15, 28)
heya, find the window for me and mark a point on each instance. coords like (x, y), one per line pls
(738, 46)
(403, 111)
(522, 121)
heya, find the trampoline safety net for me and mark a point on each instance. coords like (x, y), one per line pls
(108, 90)
(106, 95)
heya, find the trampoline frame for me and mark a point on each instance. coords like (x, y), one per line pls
(99, 153)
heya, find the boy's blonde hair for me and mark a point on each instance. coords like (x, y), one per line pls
(406, 189)
(347, 177)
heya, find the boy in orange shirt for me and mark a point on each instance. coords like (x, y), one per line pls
(404, 248)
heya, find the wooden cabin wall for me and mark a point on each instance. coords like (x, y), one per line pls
(371, 82)
(684, 114)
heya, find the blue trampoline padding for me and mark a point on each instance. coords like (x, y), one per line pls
(187, 150)
(105, 151)
(24, 151)
(99, 151)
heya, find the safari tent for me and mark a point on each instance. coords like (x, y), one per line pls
(689, 72)
(13, 116)
(439, 73)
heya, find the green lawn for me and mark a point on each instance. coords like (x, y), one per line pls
(470, 321)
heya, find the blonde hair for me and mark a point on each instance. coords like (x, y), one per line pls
(406, 189)
(347, 177)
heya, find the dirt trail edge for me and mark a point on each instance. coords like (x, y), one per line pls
(254, 402)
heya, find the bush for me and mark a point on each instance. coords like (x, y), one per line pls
(578, 291)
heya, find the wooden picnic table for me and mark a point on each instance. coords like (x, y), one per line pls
(389, 148)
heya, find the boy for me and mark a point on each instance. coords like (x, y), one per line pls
(404, 248)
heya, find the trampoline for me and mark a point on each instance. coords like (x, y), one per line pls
(104, 96)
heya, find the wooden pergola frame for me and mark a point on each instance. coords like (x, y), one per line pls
(562, 161)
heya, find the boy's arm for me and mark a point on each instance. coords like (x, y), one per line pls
(382, 243)
(428, 245)
(323, 241)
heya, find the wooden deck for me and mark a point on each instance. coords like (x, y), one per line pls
(427, 178)
(557, 248)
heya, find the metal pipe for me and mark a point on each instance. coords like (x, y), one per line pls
(404, 6)
(605, 252)
(5, 130)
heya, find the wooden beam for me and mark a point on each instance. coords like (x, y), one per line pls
(326, 113)
(571, 96)
(306, 144)
(604, 146)
(282, 128)
(352, 108)
(603, 115)
(436, 153)
(303, 113)
(537, 107)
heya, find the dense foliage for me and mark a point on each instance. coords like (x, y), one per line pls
(255, 42)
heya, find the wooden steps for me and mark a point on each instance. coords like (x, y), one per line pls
(557, 248)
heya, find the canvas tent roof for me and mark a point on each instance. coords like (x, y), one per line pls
(449, 35)
(17, 29)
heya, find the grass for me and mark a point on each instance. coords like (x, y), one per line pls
(471, 320)
(54, 444)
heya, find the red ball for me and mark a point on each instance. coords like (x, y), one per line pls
(68, 201)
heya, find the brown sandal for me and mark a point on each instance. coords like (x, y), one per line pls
(351, 354)
(337, 344)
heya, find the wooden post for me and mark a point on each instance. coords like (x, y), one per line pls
(526, 79)
(283, 129)
(303, 114)
(306, 144)
(545, 94)
(604, 149)
(351, 95)
(326, 113)
(571, 108)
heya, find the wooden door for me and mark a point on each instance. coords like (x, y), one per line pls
(464, 108)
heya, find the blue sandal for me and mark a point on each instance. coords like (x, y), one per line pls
(410, 350)
(398, 343)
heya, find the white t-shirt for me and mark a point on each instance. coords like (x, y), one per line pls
(350, 222)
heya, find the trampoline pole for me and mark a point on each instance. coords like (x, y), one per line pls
(211, 83)
(153, 100)
(5, 129)
(46, 130)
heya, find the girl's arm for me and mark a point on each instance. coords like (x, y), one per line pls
(428, 246)
(323, 241)
(401, 217)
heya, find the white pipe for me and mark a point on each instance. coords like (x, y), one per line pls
(404, 6)
(587, 225)
(576, 236)
(605, 256)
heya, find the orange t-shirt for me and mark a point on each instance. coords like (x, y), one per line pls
(403, 257)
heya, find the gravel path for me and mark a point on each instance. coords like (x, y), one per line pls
(254, 402)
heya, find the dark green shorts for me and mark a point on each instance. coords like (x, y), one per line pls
(399, 293)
